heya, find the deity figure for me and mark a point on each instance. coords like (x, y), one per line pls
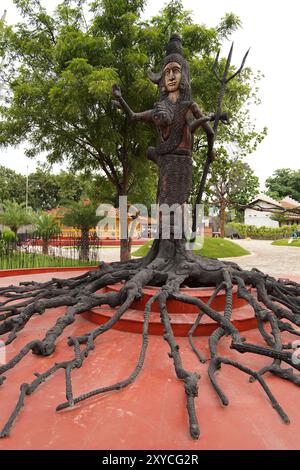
(176, 117)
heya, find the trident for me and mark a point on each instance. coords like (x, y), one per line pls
(218, 116)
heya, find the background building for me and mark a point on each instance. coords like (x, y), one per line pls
(261, 210)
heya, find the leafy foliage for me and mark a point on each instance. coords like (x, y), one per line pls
(232, 180)
(47, 190)
(81, 215)
(46, 226)
(278, 216)
(12, 185)
(42, 190)
(264, 233)
(284, 182)
(232, 185)
(60, 69)
(14, 215)
(8, 236)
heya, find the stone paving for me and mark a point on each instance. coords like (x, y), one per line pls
(269, 258)
(111, 254)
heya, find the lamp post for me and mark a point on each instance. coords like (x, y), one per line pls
(26, 193)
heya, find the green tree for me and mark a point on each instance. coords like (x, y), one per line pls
(71, 187)
(15, 215)
(99, 189)
(82, 215)
(279, 216)
(232, 184)
(43, 190)
(60, 70)
(12, 185)
(47, 190)
(46, 226)
(284, 182)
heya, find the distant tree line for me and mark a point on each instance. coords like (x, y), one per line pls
(78, 214)
(47, 190)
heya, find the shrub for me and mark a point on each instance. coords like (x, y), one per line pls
(6, 239)
(8, 236)
(261, 233)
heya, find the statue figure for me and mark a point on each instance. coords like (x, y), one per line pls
(176, 117)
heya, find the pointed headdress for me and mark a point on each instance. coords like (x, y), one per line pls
(174, 53)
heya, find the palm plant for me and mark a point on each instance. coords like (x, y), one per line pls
(82, 216)
(47, 226)
(14, 215)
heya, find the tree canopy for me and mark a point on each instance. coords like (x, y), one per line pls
(12, 185)
(47, 190)
(232, 185)
(14, 215)
(82, 215)
(46, 226)
(59, 70)
(284, 182)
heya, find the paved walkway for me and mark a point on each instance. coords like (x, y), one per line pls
(111, 254)
(269, 258)
(140, 416)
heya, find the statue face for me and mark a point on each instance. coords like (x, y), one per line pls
(172, 76)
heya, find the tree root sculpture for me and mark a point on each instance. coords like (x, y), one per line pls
(168, 265)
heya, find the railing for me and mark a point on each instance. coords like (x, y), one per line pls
(30, 251)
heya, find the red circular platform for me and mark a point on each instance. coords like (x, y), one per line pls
(151, 413)
(182, 315)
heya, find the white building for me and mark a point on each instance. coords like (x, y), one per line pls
(261, 209)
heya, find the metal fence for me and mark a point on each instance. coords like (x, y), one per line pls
(31, 251)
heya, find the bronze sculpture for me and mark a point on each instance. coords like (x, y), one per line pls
(176, 117)
(168, 265)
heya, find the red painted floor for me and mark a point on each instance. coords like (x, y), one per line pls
(151, 413)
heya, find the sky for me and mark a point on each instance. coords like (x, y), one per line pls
(271, 29)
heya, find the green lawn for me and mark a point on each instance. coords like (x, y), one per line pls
(32, 260)
(213, 248)
(284, 242)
